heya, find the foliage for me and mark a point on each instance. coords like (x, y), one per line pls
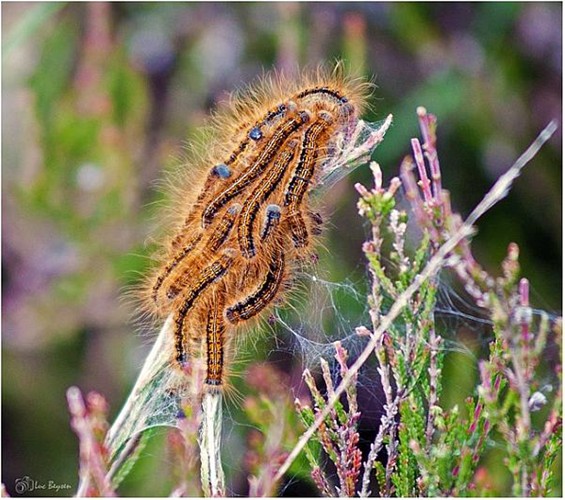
(432, 450)
(90, 120)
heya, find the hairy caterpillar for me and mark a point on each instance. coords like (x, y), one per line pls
(243, 214)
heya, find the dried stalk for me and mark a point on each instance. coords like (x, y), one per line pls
(212, 474)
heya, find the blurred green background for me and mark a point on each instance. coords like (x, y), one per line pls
(97, 98)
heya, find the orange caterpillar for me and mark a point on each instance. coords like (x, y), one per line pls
(244, 219)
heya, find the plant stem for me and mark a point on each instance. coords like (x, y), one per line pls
(92, 465)
(212, 474)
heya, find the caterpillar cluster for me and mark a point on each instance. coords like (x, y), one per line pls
(246, 219)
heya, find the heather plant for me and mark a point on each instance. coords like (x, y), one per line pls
(422, 446)
(432, 450)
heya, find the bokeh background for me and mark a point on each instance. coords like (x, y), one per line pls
(98, 98)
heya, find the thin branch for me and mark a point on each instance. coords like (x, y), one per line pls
(92, 464)
(212, 474)
(428, 123)
(434, 372)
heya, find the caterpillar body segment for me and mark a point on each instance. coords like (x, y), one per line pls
(222, 231)
(172, 264)
(315, 141)
(271, 220)
(215, 342)
(194, 288)
(297, 229)
(260, 163)
(263, 295)
(253, 203)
